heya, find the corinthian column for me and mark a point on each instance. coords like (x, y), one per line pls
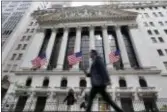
(62, 50)
(77, 46)
(122, 48)
(91, 40)
(50, 46)
(107, 49)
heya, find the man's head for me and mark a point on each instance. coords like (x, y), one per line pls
(93, 54)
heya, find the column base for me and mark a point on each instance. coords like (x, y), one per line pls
(58, 68)
(110, 66)
(75, 69)
(127, 66)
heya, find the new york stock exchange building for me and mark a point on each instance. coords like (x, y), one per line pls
(138, 82)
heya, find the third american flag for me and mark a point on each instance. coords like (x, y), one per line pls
(75, 58)
(114, 56)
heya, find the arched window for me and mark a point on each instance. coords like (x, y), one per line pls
(29, 81)
(46, 82)
(142, 82)
(82, 83)
(122, 83)
(64, 82)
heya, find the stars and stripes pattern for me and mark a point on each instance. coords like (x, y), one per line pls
(75, 58)
(39, 61)
(114, 56)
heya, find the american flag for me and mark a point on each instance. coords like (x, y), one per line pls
(114, 56)
(75, 58)
(39, 61)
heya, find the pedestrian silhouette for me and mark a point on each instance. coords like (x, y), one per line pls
(99, 80)
(70, 99)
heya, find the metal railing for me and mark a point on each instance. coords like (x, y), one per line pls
(138, 106)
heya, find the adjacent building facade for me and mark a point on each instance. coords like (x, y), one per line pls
(138, 80)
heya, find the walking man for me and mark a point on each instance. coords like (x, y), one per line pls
(99, 80)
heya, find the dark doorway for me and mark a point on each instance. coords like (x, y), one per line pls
(63, 83)
(122, 83)
(46, 82)
(82, 83)
(21, 103)
(127, 104)
(142, 82)
(40, 105)
(150, 105)
(28, 82)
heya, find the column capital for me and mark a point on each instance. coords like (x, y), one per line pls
(54, 29)
(66, 28)
(117, 26)
(78, 27)
(91, 27)
(104, 26)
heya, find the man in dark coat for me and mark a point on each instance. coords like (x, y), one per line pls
(99, 80)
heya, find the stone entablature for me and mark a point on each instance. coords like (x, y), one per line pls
(83, 13)
(111, 72)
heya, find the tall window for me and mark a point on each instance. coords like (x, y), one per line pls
(160, 52)
(122, 83)
(161, 23)
(165, 31)
(70, 48)
(154, 14)
(151, 23)
(18, 47)
(13, 56)
(160, 13)
(85, 48)
(160, 39)
(146, 15)
(19, 56)
(28, 81)
(23, 38)
(63, 82)
(153, 40)
(149, 32)
(28, 38)
(27, 30)
(156, 32)
(82, 83)
(24, 46)
(142, 82)
(46, 82)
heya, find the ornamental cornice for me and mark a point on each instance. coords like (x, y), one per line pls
(84, 13)
(79, 73)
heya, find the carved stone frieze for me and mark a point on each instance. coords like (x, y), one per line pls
(85, 13)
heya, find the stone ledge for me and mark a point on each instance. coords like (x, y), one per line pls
(78, 72)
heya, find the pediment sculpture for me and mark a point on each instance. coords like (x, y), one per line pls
(84, 12)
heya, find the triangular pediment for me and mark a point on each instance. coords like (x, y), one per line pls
(85, 13)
